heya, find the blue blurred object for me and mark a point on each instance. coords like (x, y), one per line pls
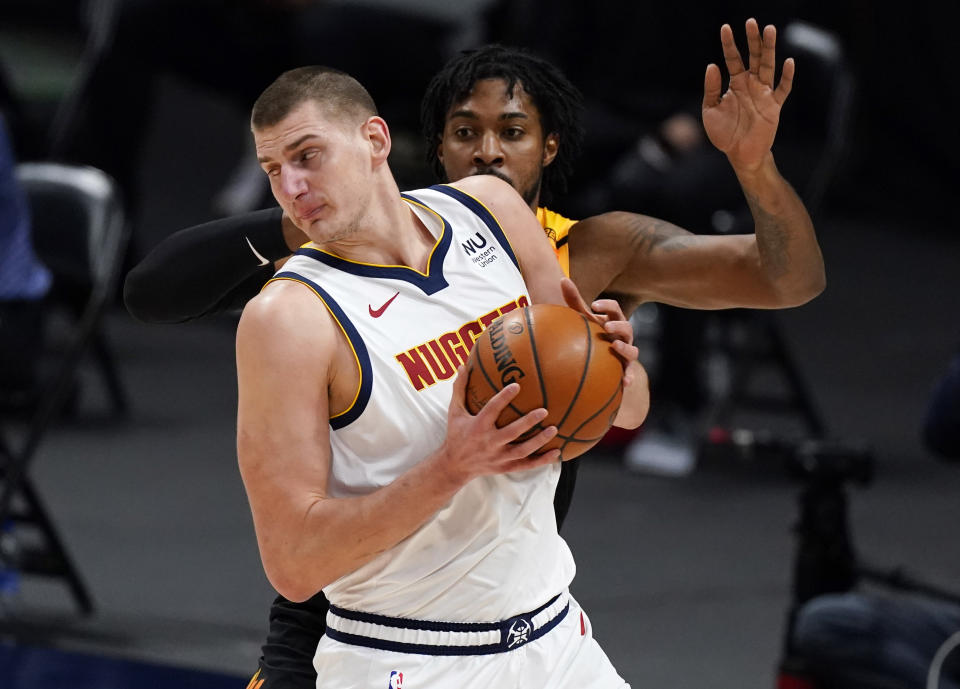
(22, 276)
(30, 667)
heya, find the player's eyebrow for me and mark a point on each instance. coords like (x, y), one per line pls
(295, 144)
(289, 147)
(470, 114)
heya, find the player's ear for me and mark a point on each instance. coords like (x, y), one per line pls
(378, 134)
(550, 147)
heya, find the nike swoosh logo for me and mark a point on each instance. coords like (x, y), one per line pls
(376, 313)
(263, 261)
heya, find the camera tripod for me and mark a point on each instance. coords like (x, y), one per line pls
(825, 560)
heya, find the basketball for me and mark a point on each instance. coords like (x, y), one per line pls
(562, 360)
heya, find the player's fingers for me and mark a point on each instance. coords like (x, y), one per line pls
(526, 426)
(768, 57)
(621, 331)
(529, 446)
(459, 398)
(496, 404)
(541, 459)
(786, 81)
(754, 45)
(628, 351)
(731, 56)
(712, 85)
(572, 296)
(609, 308)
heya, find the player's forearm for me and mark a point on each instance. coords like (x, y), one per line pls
(636, 398)
(787, 244)
(194, 272)
(323, 539)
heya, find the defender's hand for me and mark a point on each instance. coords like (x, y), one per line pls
(743, 122)
(608, 314)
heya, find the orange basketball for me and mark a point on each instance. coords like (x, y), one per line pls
(563, 362)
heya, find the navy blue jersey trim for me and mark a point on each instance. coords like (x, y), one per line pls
(483, 214)
(431, 283)
(421, 649)
(430, 625)
(502, 646)
(359, 348)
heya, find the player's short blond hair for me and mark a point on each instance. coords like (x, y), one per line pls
(336, 91)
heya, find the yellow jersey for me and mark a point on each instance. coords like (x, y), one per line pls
(556, 228)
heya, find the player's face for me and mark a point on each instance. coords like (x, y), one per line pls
(494, 132)
(318, 166)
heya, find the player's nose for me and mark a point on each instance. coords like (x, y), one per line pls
(488, 152)
(292, 182)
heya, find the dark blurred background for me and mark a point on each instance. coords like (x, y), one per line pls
(689, 578)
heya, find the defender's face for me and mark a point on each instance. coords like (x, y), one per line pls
(318, 167)
(493, 132)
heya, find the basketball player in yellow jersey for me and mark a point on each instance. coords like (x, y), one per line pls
(496, 111)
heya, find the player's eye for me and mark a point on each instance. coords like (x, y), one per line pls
(462, 132)
(513, 132)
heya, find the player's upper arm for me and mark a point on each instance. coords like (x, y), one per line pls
(285, 342)
(538, 263)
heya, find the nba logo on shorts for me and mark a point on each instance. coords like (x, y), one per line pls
(396, 680)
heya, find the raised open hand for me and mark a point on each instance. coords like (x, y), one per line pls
(743, 121)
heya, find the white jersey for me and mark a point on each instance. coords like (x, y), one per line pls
(493, 551)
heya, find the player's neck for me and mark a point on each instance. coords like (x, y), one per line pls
(389, 233)
(535, 202)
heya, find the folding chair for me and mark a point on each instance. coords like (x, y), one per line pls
(84, 263)
(80, 232)
(810, 148)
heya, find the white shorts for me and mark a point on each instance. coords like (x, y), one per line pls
(552, 648)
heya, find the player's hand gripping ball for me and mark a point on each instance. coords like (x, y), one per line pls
(562, 360)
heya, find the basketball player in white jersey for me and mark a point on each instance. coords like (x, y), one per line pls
(430, 530)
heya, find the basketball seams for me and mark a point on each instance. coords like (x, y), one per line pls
(583, 372)
(536, 359)
(573, 436)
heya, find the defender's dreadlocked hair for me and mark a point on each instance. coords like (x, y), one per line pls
(559, 102)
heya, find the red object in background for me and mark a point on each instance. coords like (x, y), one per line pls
(618, 438)
(790, 681)
(719, 435)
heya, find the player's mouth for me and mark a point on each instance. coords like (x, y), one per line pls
(309, 214)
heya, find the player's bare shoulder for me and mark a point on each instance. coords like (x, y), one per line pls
(497, 195)
(286, 320)
(507, 206)
(485, 186)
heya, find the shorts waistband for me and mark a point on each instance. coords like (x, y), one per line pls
(444, 638)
